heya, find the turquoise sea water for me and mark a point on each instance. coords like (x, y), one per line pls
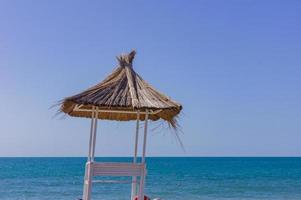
(168, 178)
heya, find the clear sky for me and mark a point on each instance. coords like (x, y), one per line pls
(234, 65)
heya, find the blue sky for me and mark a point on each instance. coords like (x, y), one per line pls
(234, 65)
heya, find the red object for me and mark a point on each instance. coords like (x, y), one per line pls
(145, 198)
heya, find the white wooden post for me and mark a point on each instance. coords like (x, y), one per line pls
(142, 178)
(94, 134)
(89, 164)
(134, 178)
(91, 135)
(88, 181)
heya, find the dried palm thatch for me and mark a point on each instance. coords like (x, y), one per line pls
(121, 95)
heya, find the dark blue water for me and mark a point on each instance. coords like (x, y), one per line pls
(168, 178)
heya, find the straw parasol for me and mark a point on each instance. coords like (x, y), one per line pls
(121, 95)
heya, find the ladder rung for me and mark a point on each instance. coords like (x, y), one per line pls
(112, 181)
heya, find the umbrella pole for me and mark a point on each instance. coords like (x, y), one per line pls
(142, 178)
(134, 178)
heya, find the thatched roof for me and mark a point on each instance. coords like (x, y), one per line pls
(122, 90)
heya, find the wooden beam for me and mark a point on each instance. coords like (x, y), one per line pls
(117, 111)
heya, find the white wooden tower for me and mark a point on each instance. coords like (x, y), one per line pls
(136, 170)
(122, 96)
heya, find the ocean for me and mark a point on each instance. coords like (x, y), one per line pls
(175, 178)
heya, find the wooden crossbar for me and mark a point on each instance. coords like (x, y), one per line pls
(118, 169)
(111, 181)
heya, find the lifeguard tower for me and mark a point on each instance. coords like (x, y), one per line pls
(122, 96)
